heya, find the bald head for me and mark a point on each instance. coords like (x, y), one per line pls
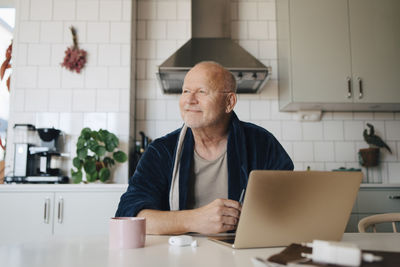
(220, 78)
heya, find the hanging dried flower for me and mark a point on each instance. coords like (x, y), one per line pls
(6, 65)
(75, 58)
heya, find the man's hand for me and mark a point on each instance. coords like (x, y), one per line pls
(219, 216)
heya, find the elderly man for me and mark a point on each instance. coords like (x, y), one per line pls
(191, 179)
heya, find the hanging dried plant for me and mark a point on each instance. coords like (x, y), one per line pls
(75, 58)
(6, 65)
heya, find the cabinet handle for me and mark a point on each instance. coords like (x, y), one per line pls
(349, 92)
(46, 210)
(360, 88)
(394, 197)
(60, 213)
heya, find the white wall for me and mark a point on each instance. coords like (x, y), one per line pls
(47, 95)
(163, 25)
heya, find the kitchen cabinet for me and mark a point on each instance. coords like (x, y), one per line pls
(374, 199)
(31, 212)
(339, 54)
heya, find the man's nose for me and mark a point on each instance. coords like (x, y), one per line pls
(192, 97)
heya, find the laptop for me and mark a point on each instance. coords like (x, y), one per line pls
(284, 207)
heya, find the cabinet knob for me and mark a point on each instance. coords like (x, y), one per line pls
(46, 215)
(60, 213)
(360, 88)
(349, 91)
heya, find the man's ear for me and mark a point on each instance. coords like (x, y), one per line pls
(231, 100)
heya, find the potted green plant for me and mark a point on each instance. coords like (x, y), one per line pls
(96, 153)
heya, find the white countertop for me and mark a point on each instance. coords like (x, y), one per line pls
(87, 251)
(63, 187)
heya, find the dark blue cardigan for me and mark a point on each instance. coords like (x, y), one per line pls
(250, 147)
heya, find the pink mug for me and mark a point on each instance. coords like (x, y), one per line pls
(127, 232)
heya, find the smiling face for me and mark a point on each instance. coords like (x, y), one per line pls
(206, 101)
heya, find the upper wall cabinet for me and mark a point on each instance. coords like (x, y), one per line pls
(339, 55)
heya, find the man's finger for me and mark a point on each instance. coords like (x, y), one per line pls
(232, 203)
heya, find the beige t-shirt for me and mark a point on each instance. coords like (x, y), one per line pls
(208, 180)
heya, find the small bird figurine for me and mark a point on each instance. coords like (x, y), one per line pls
(372, 139)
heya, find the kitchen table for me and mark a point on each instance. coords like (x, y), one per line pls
(86, 251)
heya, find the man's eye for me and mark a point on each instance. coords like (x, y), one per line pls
(185, 91)
(202, 92)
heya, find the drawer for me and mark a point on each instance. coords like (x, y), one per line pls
(378, 201)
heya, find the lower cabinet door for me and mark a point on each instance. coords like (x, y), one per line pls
(82, 213)
(26, 216)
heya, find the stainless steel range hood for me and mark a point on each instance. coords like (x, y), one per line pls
(211, 42)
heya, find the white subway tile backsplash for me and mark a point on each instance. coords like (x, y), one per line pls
(166, 10)
(60, 100)
(36, 99)
(242, 109)
(298, 166)
(173, 111)
(87, 10)
(120, 32)
(145, 89)
(140, 69)
(71, 80)
(259, 110)
(258, 30)
(247, 11)
(71, 123)
(156, 30)
(177, 30)
(353, 130)
(19, 103)
(98, 32)
(268, 50)
(64, 10)
(345, 151)
(41, 9)
(21, 54)
(146, 49)
(109, 55)
(392, 130)
(95, 120)
(291, 130)
(342, 115)
(49, 77)
(324, 151)
(96, 77)
(277, 115)
(303, 151)
(165, 49)
(29, 32)
(25, 77)
(127, 10)
(110, 10)
(126, 55)
(394, 170)
(266, 10)
(184, 10)
(386, 156)
(118, 123)
(47, 120)
(156, 110)
(151, 69)
(147, 9)
(107, 100)
(333, 130)
(234, 11)
(312, 131)
(83, 100)
(119, 77)
(165, 127)
(39, 54)
(124, 100)
(272, 30)
(51, 32)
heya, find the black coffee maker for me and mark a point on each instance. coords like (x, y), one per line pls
(35, 161)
